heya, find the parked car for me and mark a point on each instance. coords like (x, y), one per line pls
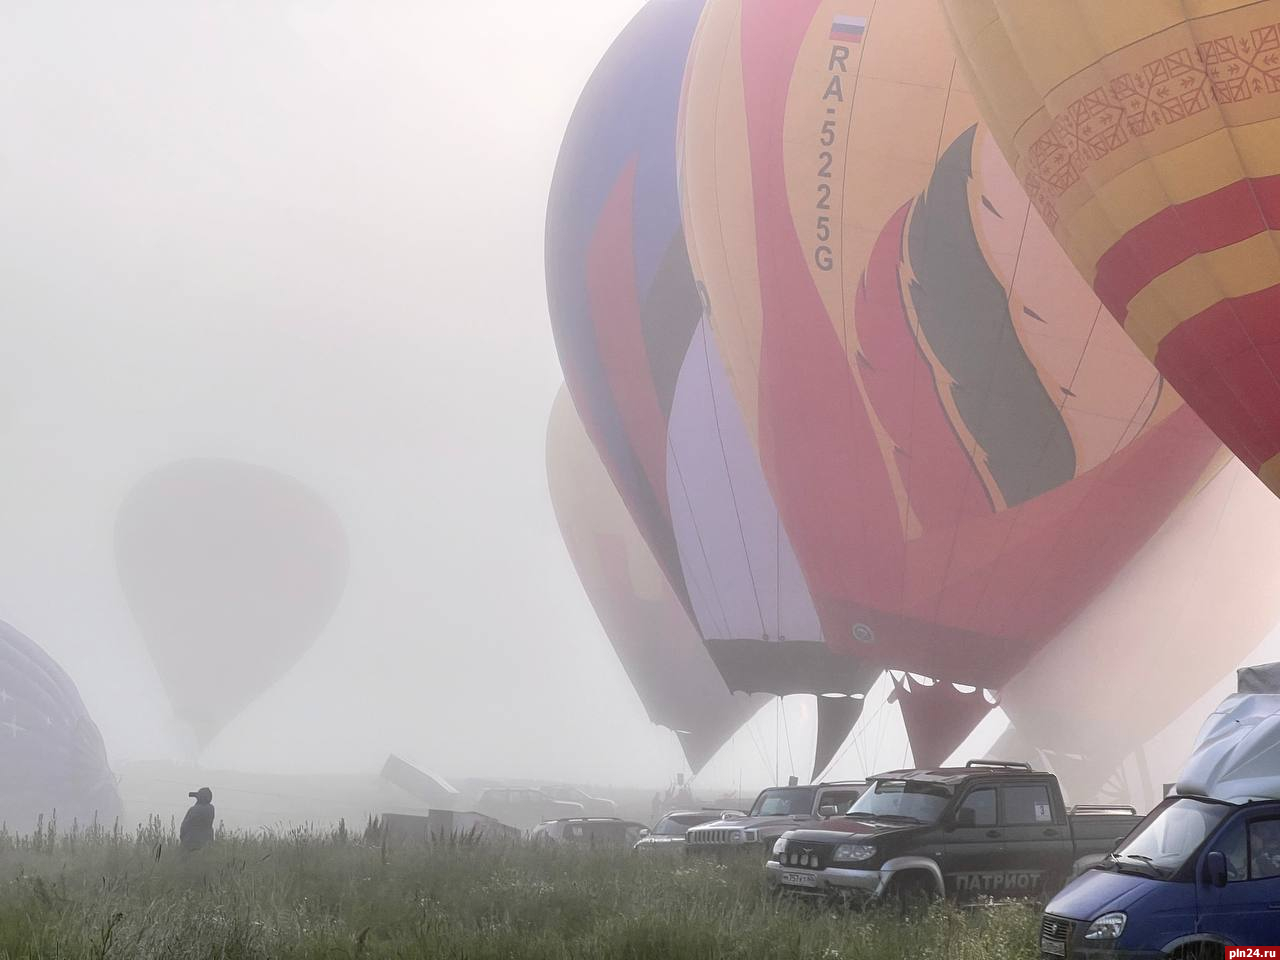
(774, 811)
(524, 807)
(1202, 871)
(591, 831)
(668, 834)
(987, 829)
(593, 806)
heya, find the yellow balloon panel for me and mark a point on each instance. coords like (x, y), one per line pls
(1148, 136)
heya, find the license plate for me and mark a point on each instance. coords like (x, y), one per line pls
(1055, 948)
(800, 879)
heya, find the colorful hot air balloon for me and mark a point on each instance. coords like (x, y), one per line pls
(51, 753)
(658, 647)
(962, 448)
(623, 304)
(1190, 608)
(1148, 136)
(653, 392)
(231, 571)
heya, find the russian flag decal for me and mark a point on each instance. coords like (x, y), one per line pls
(849, 29)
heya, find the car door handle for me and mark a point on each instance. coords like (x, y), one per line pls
(993, 834)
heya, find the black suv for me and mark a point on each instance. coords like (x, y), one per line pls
(988, 829)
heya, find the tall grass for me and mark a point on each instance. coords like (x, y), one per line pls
(104, 893)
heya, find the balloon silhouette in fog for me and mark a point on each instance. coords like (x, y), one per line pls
(1148, 136)
(650, 631)
(231, 571)
(51, 753)
(652, 390)
(962, 447)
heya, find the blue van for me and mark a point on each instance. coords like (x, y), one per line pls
(1196, 876)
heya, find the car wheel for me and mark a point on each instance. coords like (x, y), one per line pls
(1202, 951)
(911, 894)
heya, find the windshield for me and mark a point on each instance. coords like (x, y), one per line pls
(784, 802)
(898, 799)
(1169, 836)
(678, 825)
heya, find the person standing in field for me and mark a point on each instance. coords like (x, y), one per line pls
(197, 825)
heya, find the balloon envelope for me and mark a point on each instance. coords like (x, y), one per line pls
(651, 388)
(623, 304)
(231, 571)
(1148, 135)
(1189, 609)
(962, 448)
(51, 753)
(657, 645)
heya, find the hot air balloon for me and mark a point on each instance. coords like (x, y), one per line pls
(1094, 705)
(231, 571)
(653, 392)
(962, 448)
(50, 750)
(1147, 134)
(659, 649)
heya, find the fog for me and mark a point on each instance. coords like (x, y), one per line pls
(307, 236)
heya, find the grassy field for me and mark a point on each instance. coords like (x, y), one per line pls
(307, 894)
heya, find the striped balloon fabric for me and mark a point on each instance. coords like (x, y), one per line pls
(1148, 136)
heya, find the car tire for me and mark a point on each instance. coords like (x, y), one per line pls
(911, 894)
(1201, 951)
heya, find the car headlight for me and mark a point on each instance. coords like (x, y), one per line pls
(750, 836)
(737, 836)
(1109, 926)
(779, 847)
(854, 852)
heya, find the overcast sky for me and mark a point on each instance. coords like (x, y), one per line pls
(307, 235)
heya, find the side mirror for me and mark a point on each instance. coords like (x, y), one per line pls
(828, 810)
(966, 817)
(1215, 868)
(644, 832)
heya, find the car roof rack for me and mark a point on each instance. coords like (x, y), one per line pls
(1095, 808)
(998, 765)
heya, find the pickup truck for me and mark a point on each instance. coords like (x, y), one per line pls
(987, 829)
(775, 811)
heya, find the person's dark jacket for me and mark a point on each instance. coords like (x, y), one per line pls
(197, 825)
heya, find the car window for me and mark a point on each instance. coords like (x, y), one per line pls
(676, 825)
(1234, 846)
(784, 802)
(609, 831)
(1026, 804)
(1264, 849)
(983, 804)
(919, 800)
(839, 798)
